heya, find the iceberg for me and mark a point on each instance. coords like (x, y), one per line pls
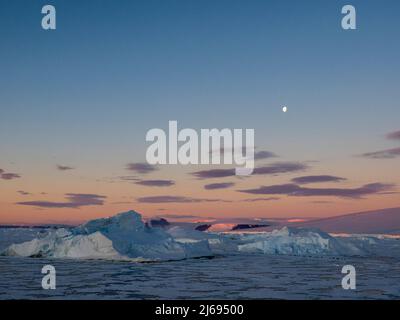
(297, 241)
(127, 237)
(11, 235)
(217, 242)
(122, 237)
(287, 240)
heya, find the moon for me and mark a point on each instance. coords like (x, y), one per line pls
(284, 109)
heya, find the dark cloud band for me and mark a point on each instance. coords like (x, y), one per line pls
(274, 168)
(214, 186)
(64, 168)
(74, 200)
(383, 154)
(175, 199)
(156, 183)
(8, 175)
(394, 135)
(298, 191)
(316, 179)
(141, 167)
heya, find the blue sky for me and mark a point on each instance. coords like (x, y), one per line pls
(114, 69)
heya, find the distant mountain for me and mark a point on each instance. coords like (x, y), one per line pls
(248, 226)
(384, 221)
(159, 223)
(49, 226)
(229, 227)
(203, 227)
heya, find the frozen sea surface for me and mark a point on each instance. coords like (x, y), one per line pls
(289, 263)
(223, 277)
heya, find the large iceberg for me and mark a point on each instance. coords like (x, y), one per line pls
(124, 236)
(297, 241)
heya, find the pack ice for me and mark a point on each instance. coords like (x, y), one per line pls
(126, 237)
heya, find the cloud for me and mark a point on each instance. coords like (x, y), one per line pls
(74, 200)
(121, 202)
(175, 199)
(129, 178)
(224, 185)
(24, 193)
(274, 168)
(298, 191)
(141, 167)
(260, 155)
(383, 154)
(261, 199)
(64, 168)
(178, 216)
(321, 202)
(316, 179)
(393, 135)
(156, 183)
(280, 167)
(214, 173)
(8, 175)
(142, 182)
(387, 153)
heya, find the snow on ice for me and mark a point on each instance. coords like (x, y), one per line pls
(126, 237)
(122, 237)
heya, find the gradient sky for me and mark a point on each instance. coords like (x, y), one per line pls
(76, 103)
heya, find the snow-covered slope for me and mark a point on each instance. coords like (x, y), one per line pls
(123, 236)
(126, 236)
(385, 221)
(10, 235)
(298, 242)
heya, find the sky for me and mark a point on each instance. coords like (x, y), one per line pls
(76, 104)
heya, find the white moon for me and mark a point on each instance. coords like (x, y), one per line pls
(284, 109)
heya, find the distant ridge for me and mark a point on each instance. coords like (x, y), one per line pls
(45, 226)
(382, 221)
